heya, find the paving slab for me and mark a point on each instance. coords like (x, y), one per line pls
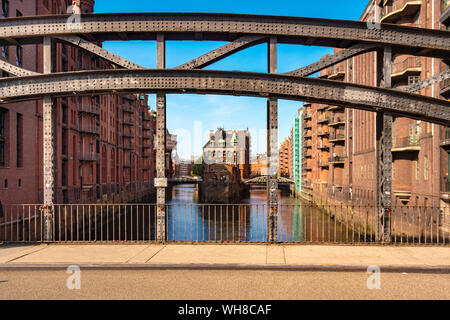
(145, 255)
(82, 254)
(342, 255)
(211, 254)
(12, 252)
(275, 255)
(430, 256)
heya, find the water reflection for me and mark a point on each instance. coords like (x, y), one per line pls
(188, 220)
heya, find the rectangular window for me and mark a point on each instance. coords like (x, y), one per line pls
(416, 163)
(2, 138)
(5, 52)
(425, 168)
(19, 141)
(5, 8)
(19, 56)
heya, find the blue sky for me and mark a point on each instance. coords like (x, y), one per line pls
(228, 111)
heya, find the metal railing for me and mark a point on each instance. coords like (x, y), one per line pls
(334, 159)
(445, 84)
(88, 129)
(396, 5)
(411, 140)
(227, 223)
(88, 156)
(337, 136)
(411, 62)
(89, 108)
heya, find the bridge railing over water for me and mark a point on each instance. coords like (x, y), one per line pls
(228, 223)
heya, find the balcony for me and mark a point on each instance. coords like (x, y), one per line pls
(445, 141)
(334, 108)
(308, 144)
(128, 146)
(128, 123)
(323, 163)
(409, 143)
(445, 12)
(337, 72)
(127, 164)
(88, 129)
(337, 137)
(409, 67)
(400, 9)
(89, 109)
(337, 121)
(445, 186)
(126, 108)
(325, 118)
(308, 115)
(128, 134)
(445, 88)
(323, 146)
(337, 159)
(88, 157)
(323, 132)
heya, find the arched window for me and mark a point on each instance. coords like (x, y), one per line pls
(104, 165)
(113, 171)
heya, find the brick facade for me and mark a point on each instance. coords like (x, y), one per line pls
(346, 137)
(104, 144)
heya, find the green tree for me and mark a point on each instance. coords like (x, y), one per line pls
(197, 170)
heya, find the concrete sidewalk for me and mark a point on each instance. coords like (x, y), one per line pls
(299, 257)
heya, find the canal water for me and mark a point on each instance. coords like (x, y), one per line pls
(189, 220)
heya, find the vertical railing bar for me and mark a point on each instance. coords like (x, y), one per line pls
(101, 222)
(95, 222)
(150, 223)
(232, 224)
(120, 223)
(126, 222)
(257, 226)
(228, 239)
(221, 224)
(90, 222)
(65, 223)
(107, 222)
(23, 223)
(35, 224)
(84, 222)
(131, 222)
(143, 223)
(215, 223)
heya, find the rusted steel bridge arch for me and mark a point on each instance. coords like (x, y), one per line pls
(242, 31)
(227, 82)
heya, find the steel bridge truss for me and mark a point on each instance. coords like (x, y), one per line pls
(241, 31)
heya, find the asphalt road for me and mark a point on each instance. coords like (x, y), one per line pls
(220, 284)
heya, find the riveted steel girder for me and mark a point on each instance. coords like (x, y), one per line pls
(226, 27)
(222, 52)
(227, 82)
(99, 51)
(272, 148)
(263, 180)
(49, 155)
(15, 70)
(161, 137)
(427, 82)
(331, 60)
